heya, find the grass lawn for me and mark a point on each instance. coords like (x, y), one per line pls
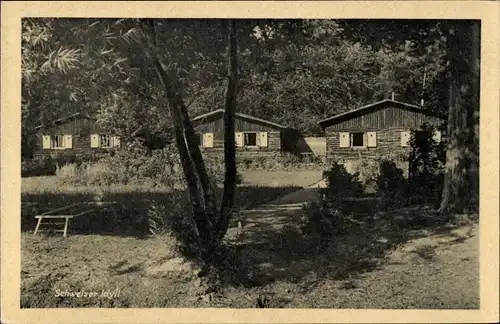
(281, 178)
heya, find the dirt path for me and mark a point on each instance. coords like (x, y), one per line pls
(429, 270)
(273, 216)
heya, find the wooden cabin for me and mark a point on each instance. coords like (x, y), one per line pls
(379, 129)
(255, 137)
(75, 134)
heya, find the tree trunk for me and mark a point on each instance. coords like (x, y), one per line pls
(461, 169)
(203, 227)
(207, 186)
(227, 201)
(208, 190)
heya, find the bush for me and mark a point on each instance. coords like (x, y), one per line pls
(391, 185)
(331, 215)
(160, 168)
(46, 165)
(38, 166)
(281, 162)
(341, 184)
(425, 176)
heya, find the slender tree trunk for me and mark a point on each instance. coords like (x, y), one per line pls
(210, 225)
(208, 190)
(227, 201)
(460, 182)
(194, 150)
(203, 228)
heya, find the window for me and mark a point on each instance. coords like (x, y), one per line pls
(105, 141)
(57, 141)
(250, 139)
(357, 139)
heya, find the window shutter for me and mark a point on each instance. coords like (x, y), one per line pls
(46, 141)
(405, 139)
(208, 139)
(239, 139)
(94, 140)
(68, 141)
(116, 141)
(344, 139)
(263, 139)
(437, 136)
(371, 139)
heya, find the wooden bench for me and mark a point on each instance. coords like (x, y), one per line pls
(69, 212)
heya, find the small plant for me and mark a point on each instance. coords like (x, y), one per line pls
(391, 185)
(330, 215)
(340, 184)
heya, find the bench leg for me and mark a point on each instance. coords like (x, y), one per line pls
(66, 227)
(37, 225)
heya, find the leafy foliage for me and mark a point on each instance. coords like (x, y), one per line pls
(160, 168)
(425, 177)
(426, 165)
(392, 187)
(331, 215)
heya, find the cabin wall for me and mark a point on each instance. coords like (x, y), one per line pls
(80, 129)
(388, 123)
(277, 141)
(390, 117)
(388, 145)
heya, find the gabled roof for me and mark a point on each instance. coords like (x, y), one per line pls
(381, 103)
(62, 120)
(244, 116)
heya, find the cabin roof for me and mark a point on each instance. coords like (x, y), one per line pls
(63, 119)
(376, 105)
(244, 116)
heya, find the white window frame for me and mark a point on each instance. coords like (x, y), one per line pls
(256, 139)
(108, 139)
(59, 140)
(351, 140)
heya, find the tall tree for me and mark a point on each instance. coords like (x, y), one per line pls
(210, 223)
(461, 185)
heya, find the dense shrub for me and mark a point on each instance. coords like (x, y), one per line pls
(46, 165)
(427, 160)
(281, 162)
(129, 167)
(391, 185)
(331, 215)
(340, 184)
(38, 166)
(425, 174)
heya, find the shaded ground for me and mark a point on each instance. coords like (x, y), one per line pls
(382, 263)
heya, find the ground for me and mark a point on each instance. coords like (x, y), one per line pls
(379, 266)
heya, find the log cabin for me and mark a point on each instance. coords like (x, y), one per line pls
(254, 137)
(380, 129)
(77, 134)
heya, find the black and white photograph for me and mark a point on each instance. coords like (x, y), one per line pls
(298, 163)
